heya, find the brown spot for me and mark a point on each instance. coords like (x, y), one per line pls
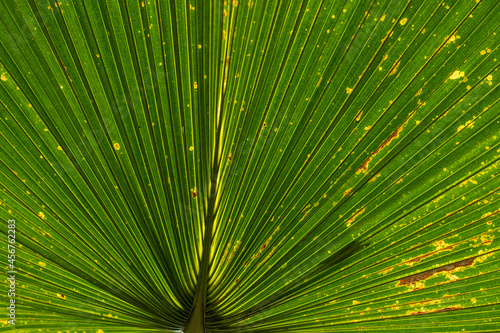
(264, 125)
(354, 215)
(61, 296)
(450, 308)
(194, 194)
(417, 259)
(364, 166)
(428, 274)
(229, 157)
(384, 144)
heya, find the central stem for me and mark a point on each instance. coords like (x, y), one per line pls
(196, 323)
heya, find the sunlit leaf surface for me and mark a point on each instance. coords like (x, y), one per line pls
(278, 165)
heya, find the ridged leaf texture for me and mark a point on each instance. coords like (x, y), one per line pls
(251, 166)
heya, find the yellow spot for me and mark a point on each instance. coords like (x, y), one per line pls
(359, 115)
(191, 148)
(195, 85)
(467, 124)
(142, 4)
(98, 56)
(4, 78)
(395, 68)
(117, 146)
(355, 302)
(349, 90)
(59, 147)
(382, 18)
(457, 75)
(403, 21)
(483, 52)
(41, 215)
(473, 300)
(42, 264)
(199, 46)
(345, 10)
(235, 3)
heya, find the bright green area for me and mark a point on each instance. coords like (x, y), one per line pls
(251, 166)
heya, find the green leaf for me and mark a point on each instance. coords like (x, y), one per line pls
(250, 166)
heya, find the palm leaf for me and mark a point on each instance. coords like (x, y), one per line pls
(251, 166)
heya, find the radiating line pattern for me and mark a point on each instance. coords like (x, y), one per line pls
(344, 154)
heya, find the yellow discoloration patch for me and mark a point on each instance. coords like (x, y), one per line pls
(452, 39)
(195, 85)
(358, 117)
(487, 239)
(385, 271)
(41, 215)
(489, 78)
(117, 146)
(440, 245)
(467, 124)
(348, 90)
(354, 215)
(382, 18)
(403, 21)
(417, 259)
(41, 264)
(3, 78)
(394, 68)
(457, 75)
(355, 302)
(425, 311)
